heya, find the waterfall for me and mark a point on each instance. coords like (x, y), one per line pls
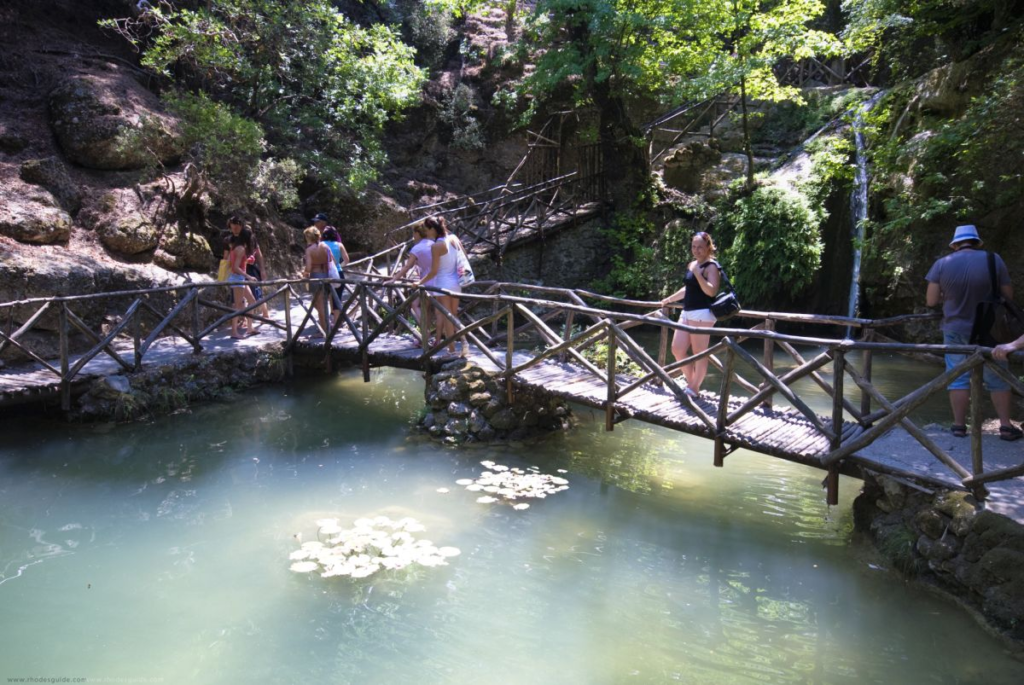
(859, 201)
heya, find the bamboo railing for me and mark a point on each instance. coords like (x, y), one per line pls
(516, 327)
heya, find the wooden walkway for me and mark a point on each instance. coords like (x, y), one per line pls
(543, 338)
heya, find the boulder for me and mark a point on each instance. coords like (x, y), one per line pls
(504, 420)
(191, 249)
(35, 218)
(50, 173)
(109, 121)
(129, 234)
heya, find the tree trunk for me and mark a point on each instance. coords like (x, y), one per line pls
(624, 160)
(747, 149)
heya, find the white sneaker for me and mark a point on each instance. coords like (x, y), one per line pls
(691, 393)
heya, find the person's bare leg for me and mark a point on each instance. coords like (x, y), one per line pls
(698, 344)
(959, 400)
(1002, 400)
(236, 294)
(680, 344)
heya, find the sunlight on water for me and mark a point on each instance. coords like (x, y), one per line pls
(159, 552)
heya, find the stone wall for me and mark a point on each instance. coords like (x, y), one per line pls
(467, 404)
(573, 257)
(168, 388)
(948, 541)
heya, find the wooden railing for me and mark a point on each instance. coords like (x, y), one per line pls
(516, 327)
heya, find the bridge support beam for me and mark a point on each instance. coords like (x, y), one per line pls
(609, 407)
(832, 486)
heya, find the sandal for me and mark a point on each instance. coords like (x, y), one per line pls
(958, 431)
(1010, 433)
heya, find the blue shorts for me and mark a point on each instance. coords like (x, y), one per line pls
(237, 278)
(993, 383)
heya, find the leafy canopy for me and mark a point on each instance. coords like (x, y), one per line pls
(321, 87)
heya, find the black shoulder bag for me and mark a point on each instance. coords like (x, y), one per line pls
(996, 320)
(726, 304)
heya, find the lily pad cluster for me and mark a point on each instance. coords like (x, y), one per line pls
(502, 483)
(371, 545)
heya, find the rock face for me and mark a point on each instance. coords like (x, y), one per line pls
(34, 218)
(108, 121)
(947, 540)
(466, 404)
(50, 173)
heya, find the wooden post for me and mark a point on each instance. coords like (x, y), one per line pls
(663, 347)
(509, 344)
(723, 406)
(137, 339)
(65, 382)
(424, 328)
(197, 347)
(569, 317)
(609, 407)
(364, 310)
(977, 392)
(289, 367)
(769, 359)
(865, 398)
(832, 479)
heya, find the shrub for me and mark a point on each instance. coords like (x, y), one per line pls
(777, 247)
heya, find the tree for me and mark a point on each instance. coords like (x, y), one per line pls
(612, 54)
(751, 37)
(320, 87)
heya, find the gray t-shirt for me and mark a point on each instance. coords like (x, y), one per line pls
(964, 281)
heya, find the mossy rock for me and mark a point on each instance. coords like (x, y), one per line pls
(961, 507)
(50, 173)
(192, 249)
(897, 543)
(128, 235)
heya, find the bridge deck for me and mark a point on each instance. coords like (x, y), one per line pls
(779, 432)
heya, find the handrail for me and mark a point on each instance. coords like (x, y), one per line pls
(375, 306)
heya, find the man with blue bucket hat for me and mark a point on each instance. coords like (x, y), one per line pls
(959, 281)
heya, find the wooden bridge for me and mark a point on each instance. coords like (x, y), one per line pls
(544, 338)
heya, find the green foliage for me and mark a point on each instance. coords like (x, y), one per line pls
(909, 37)
(955, 170)
(320, 87)
(597, 354)
(459, 113)
(228, 147)
(777, 247)
(832, 169)
(632, 273)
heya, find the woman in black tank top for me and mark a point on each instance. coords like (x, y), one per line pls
(700, 285)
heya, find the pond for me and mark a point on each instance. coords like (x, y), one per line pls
(159, 552)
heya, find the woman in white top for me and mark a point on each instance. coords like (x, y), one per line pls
(444, 274)
(420, 258)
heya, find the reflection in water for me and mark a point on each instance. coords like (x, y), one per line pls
(161, 551)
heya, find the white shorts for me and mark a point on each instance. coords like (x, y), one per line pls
(697, 316)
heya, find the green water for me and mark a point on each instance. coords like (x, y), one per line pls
(158, 552)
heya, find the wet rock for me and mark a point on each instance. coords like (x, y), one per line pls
(109, 121)
(50, 173)
(530, 418)
(458, 409)
(456, 426)
(931, 523)
(1005, 603)
(938, 550)
(110, 387)
(429, 421)
(491, 408)
(449, 391)
(477, 423)
(486, 434)
(479, 399)
(503, 419)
